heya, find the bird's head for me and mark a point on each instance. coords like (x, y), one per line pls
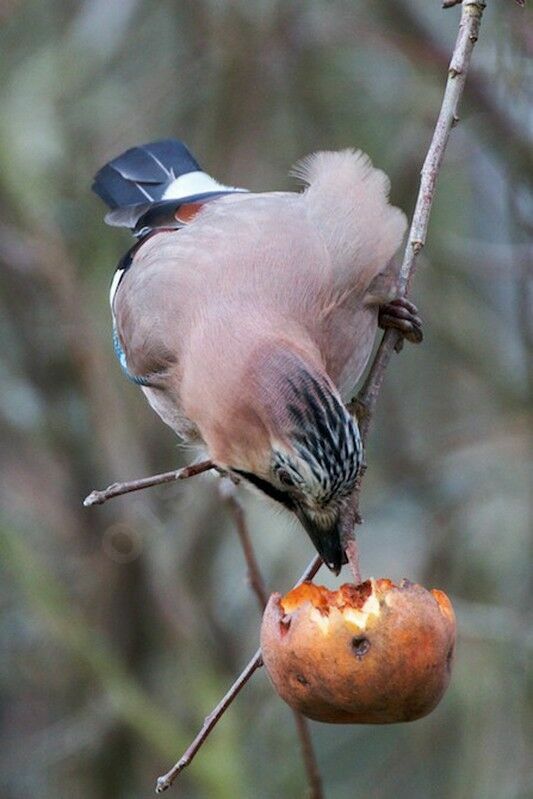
(300, 447)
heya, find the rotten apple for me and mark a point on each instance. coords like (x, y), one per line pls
(374, 653)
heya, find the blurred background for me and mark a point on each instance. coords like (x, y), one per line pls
(122, 625)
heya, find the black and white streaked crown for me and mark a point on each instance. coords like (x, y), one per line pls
(145, 185)
(326, 436)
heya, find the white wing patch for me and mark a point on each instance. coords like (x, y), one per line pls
(194, 183)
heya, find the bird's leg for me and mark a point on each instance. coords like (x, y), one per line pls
(402, 315)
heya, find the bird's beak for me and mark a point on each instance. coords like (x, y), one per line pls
(326, 536)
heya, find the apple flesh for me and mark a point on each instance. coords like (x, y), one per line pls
(374, 653)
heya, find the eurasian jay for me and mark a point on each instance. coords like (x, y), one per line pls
(247, 319)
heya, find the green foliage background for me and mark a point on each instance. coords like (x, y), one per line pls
(122, 625)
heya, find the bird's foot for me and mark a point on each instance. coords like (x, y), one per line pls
(402, 315)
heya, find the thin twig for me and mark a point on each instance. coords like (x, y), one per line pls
(257, 584)
(471, 13)
(116, 489)
(211, 720)
(363, 405)
(255, 578)
(314, 776)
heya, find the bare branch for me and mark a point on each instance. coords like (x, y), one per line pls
(452, 3)
(471, 12)
(255, 663)
(311, 764)
(311, 570)
(363, 405)
(228, 492)
(116, 489)
(210, 721)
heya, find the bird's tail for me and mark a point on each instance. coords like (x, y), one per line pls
(149, 175)
(348, 199)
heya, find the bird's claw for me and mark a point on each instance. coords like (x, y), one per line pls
(402, 315)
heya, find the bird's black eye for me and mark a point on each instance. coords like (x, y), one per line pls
(285, 478)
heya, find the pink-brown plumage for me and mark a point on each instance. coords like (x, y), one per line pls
(255, 270)
(257, 293)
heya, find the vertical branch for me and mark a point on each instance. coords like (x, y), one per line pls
(471, 13)
(255, 578)
(470, 22)
(363, 405)
(314, 776)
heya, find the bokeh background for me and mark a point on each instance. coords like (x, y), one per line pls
(122, 625)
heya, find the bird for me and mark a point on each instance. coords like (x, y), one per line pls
(248, 318)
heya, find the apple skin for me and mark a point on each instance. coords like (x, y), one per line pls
(375, 653)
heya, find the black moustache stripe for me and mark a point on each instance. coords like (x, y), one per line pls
(267, 488)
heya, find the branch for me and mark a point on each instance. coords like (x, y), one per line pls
(255, 578)
(363, 405)
(116, 489)
(211, 720)
(471, 12)
(257, 584)
(452, 3)
(308, 753)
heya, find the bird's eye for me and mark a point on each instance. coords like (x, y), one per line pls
(285, 478)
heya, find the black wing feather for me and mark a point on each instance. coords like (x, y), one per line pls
(142, 174)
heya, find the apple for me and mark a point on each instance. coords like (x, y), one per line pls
(374, 653)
